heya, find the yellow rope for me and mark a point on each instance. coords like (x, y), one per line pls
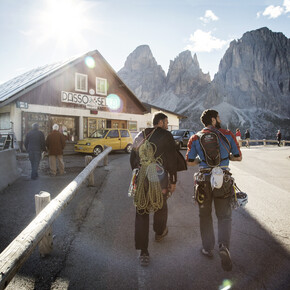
(150, 199)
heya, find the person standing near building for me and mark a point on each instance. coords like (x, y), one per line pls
(35, 145)
(279, 137)
(247, 137)
(55, 143)
(156, 157)
(215, 147)
(238, 136)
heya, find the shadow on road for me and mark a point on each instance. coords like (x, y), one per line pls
(94, 240)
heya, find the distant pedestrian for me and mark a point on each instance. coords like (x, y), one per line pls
(55, 143)
(279, 136)
(238, 136)
(247, 137)
(35, 145)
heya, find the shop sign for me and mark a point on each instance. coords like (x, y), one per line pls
(21, 105)
(91, 102)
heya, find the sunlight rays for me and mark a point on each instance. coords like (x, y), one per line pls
(63, 24)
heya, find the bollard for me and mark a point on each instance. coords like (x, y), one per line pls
(45, 245)
(283, 143)
(264, 142)
(88, 159)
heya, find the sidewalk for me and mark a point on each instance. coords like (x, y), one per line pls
(17, 210)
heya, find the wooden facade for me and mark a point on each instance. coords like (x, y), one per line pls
(45, 102)
(49, 92)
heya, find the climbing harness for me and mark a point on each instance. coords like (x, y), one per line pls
(203, 183)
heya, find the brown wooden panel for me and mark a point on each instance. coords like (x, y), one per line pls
(49, 92)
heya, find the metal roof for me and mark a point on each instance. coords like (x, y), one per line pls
(149, 106)
(23, 81)
(14, 88)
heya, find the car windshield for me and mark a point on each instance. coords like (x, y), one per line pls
(99, 134)
(177, 133)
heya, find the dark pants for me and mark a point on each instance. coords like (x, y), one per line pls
(224, 215)
(142, 225)
(34, 157)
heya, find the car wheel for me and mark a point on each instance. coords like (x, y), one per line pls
(97, 150)
(128, 148)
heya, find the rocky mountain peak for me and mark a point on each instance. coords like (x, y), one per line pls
(143, 75)
(184, 62)
(140, 58)
(254, 73)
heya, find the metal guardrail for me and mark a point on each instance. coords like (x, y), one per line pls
(265, 141)
(19, 250)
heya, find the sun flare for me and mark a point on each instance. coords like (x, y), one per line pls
(64, 21)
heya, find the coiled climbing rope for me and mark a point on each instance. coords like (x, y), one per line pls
(148, 196)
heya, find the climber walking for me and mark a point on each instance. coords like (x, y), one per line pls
(215, 148)
(157, 161)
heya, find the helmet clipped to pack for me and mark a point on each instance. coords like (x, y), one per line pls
(242, 198)
(239, 198)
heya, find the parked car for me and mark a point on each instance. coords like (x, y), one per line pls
(181, 137)
(118, 139)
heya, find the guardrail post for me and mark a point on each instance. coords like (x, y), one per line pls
(88, 159)
(45, 245)
(264, 142)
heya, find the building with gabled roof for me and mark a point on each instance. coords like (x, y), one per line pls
(81, 94)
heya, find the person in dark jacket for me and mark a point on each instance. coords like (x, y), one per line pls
(55, 143)
(35, 145)
(279, 137)
(167, 161)
(247, 137)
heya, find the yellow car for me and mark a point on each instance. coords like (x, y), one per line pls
(118, 139)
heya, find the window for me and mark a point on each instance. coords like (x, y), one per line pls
(101, 86)
(5, 121)
(124, 133)
(113, 134)
(132, 125)
(81, 82)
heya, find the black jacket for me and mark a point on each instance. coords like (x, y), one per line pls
(35, 141)
(172, 159)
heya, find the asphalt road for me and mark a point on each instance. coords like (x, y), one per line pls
(94, 236)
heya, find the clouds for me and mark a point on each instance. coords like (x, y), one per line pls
(273, 12)
(209, 16)
(202, 41)
(205, 41)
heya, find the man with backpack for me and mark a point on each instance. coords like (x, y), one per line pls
(155, 161)
(215, 147)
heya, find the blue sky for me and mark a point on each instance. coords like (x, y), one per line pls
(37, 32)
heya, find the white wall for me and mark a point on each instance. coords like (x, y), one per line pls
(143, 121)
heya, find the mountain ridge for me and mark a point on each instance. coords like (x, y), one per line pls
(251, 89)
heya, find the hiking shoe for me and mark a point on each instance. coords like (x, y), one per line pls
(159, 238)
(225, 258)
(207, 253)
(144, 259)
